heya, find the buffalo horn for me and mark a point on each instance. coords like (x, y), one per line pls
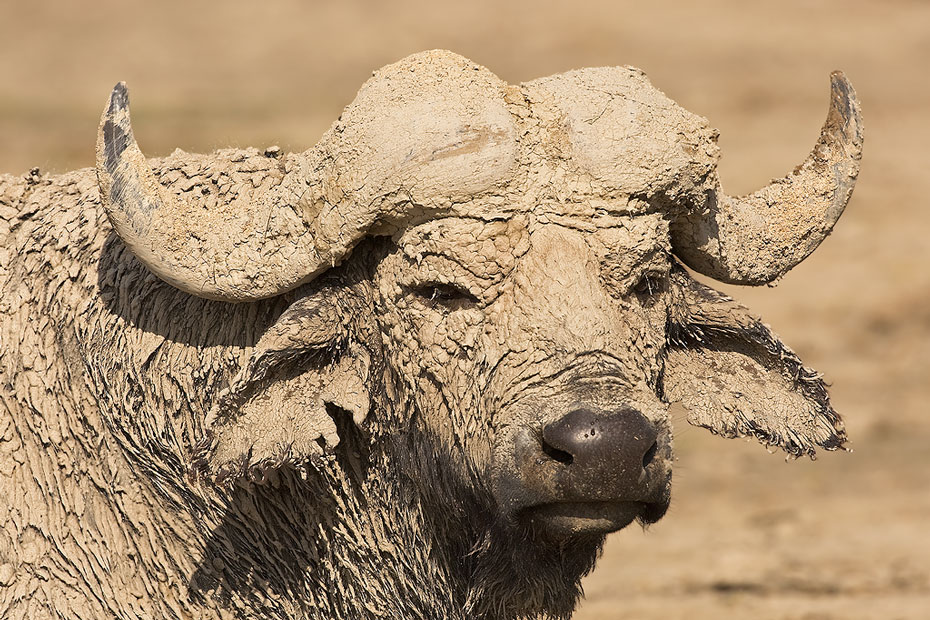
(757, 238)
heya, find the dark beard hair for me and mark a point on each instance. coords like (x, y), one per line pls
(502, 568)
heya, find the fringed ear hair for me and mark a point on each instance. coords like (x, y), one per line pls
(738, 379)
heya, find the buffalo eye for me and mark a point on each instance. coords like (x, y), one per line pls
(447, 295)
(651, 283)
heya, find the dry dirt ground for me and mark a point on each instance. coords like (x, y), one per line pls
(748, 535)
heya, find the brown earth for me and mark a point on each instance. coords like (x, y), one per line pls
(748, 536)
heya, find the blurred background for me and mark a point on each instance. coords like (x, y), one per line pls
(748, 535)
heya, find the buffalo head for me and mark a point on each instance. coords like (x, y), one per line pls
(510, 284)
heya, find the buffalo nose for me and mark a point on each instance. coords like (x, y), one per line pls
(619, 444)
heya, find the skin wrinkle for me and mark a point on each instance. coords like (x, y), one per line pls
(425, 266)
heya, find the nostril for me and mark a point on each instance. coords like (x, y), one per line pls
(650, 454)
(557, 455)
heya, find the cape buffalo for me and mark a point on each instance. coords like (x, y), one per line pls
(419, 370)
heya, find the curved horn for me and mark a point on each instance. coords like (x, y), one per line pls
(423, 136)
(758, 238)
(208, 254)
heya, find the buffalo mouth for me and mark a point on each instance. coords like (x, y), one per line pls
(575, 518)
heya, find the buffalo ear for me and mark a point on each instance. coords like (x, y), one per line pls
(276, 411)
(738, 379)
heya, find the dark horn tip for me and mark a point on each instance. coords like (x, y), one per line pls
(846, 105)
(119, 98)
(841, 88)
(116, 128)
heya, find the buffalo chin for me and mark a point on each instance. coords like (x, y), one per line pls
(587, 518)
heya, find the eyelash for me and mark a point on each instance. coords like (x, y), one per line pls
(447, 295)
(650, 284)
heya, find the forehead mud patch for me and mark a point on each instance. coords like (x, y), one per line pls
(470, 242)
